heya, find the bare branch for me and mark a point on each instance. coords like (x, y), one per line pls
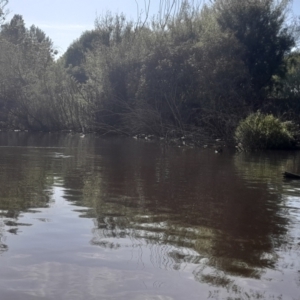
(3, 11)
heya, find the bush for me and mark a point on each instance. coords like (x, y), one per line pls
(259, 131)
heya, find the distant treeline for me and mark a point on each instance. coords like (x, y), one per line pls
(191, 67)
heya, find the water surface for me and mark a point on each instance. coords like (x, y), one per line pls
(115, 218)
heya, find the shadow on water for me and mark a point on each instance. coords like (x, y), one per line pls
(222, 216)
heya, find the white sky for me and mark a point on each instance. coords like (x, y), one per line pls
(64, 20)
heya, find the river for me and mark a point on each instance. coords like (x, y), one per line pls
(117, 218)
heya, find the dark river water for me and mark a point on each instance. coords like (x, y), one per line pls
(116, 218)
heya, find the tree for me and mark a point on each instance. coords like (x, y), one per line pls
(25, 55)
(75, 55)
(14, 31)
(261, 29)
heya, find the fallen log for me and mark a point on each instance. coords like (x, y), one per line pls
(291, 175)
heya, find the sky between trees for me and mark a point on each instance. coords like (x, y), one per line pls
(64, 21)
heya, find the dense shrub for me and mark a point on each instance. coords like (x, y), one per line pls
(193, 67)
(259, 131)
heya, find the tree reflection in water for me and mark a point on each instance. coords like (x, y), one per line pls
(222, 217)
(186, 206)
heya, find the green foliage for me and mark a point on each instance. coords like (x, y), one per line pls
(149, 79)
(285, 96)
(192, 66)
(289, 86)
(25, 55)
(259, 26)
(259, 131)
(75, 55)
(56, 102)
